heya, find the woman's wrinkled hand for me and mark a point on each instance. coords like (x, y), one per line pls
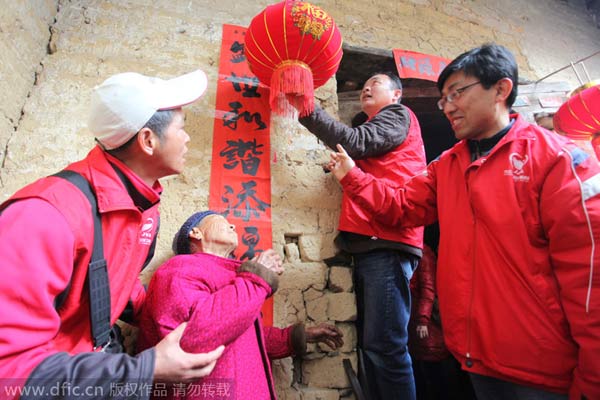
(270, 259)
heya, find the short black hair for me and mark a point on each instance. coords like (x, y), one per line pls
(488, 63)
(158, 123)
(394, 79)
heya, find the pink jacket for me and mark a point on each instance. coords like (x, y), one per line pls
(518, 273)
(221, 306)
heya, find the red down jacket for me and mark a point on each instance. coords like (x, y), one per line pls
(422, 291)
(519, 256)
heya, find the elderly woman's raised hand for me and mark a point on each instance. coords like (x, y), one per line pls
(270, 259)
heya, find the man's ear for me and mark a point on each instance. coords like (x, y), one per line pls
(503, 89)
(147, 140)
(397, 95)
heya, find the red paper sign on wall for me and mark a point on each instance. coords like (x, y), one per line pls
(240, 179)
(411, 64)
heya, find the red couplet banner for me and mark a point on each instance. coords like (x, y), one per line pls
(240, 178)
(411, 64)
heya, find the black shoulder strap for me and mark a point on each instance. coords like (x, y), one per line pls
(97, 276)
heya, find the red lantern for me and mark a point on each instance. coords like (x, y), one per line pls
(579, 117)
(293, 47)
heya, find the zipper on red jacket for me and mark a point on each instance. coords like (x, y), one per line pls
(468, 361)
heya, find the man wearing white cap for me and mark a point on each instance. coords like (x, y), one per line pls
(50, 346)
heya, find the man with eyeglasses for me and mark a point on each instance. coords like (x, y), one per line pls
(454, 95)
(519, 209)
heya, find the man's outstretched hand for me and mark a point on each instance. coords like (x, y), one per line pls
(172, 364)
(340, 163)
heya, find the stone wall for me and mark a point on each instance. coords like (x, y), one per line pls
(24, 38)
(54, 52)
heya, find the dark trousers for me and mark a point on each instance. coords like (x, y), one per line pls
(442, 380)
(487, 388)
(383, 300)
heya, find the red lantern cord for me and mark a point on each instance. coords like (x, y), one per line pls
(293, 47)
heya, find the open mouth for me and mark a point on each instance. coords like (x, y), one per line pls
(456, 121)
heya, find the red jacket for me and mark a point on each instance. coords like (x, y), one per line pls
(388, 146)
(422, 291)
(518, 261)
(221, 306)
(46, 228)
(395, 168)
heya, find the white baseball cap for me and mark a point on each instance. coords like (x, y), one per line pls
(123, 103)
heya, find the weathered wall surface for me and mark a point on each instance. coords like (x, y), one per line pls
(45, 100)
(24, 37)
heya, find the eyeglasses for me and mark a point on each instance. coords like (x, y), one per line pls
(454, 95)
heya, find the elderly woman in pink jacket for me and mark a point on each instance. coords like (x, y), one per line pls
(220, 298)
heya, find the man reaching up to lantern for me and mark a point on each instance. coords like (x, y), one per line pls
(387, 145)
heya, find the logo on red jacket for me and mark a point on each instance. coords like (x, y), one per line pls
(517, 162)
(146, 232)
